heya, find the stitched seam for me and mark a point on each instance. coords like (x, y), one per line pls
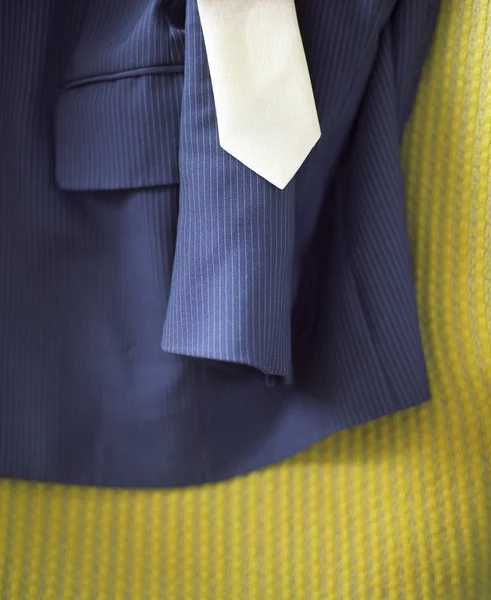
(107, 77)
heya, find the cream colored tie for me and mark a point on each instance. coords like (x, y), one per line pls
(264, 101)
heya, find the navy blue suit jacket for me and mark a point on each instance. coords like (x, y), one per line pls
(167, 317)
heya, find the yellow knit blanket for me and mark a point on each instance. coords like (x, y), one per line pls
(396, 509)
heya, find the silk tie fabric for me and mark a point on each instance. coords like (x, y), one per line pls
(264, 102)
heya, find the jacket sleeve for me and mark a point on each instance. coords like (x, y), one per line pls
(231, 287)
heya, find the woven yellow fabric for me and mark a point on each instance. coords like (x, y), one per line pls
(398, 508)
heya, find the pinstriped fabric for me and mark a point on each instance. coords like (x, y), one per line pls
(232, 277)
(98, 138)
(115, 36)
(231, 297)
(121, 219)
(396, 508)
(119, 90)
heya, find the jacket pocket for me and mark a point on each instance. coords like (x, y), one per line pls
(119, 130)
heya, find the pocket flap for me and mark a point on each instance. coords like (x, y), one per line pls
(119, 131)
